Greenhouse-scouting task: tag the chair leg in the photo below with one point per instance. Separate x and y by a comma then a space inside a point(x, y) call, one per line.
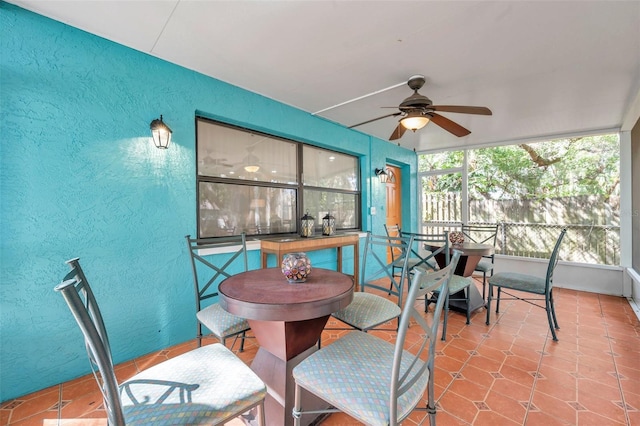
point(199, 334)
point(260, 415)
point(468, 300)
point(553, 331)
point(498, 300)
point(489, 304)
point(431, 405)
point(553, 310)
point(444, 320)
point(484, 283)
point(551, 316)
point(244, 335)
point(296, 413)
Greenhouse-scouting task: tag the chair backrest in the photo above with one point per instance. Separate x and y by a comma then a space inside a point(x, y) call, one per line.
point(393, 231)
point(553, 261)
point(423, 256)
point(481, 234)
point(77, 293)
point(206, 275)
point(376, 268)
point(409, 368)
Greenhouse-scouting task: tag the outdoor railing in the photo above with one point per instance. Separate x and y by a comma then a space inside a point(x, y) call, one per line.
point(594, 244)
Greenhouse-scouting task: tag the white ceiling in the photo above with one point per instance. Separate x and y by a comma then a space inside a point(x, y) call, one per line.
point(543, 67)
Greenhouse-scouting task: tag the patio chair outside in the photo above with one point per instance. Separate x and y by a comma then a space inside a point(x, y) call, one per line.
point(375, 381)
point(207, 385)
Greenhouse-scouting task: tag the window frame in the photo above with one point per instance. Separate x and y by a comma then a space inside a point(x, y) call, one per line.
point(298, 187)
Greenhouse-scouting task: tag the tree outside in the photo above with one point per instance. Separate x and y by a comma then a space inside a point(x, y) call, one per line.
point(574, 182)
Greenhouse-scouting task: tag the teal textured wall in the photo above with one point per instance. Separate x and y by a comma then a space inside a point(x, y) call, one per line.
point(80, 177)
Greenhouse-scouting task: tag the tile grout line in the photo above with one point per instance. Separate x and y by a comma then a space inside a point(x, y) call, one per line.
point(615, 364)
point(59, 404)
point(535, 378)
point(484, 338)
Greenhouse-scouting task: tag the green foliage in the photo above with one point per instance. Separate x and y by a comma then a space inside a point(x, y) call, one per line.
point(557, 168)
point(440, 161)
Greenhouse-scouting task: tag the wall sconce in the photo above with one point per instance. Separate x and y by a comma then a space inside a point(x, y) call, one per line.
point(382, 175)
point(415, 120)
point(328, 224)
point(161, 133)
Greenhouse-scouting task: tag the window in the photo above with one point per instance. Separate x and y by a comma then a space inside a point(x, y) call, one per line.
point(262, 185)
point(532, 190)
point(441, 182)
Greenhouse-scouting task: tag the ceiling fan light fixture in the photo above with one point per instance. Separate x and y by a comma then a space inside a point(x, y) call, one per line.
point(415, 120)
point(252, 162)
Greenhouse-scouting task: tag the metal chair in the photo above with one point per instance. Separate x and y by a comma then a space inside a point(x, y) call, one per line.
point(368, 310)
point(375, 381)
point(483, 234)
point(529, 284)
point(396, 255)
point(458, 285)
point(207, 276)
point(208, 385)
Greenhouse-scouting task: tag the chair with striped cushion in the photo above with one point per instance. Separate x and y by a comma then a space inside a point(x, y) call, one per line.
point(375, 381)
point(208, 385)
point(369, 309)
point(207, 276)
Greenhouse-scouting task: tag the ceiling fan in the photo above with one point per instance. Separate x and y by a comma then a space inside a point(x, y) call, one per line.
point(417, 110)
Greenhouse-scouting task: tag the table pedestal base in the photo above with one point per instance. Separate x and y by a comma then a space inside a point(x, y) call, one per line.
point(283, 345)
point(475, 299)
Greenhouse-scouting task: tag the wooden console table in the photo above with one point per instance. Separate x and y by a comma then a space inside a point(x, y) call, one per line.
point(281, 246)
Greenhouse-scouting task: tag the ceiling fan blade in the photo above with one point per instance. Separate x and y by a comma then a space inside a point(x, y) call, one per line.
point(462, 109)
point(398, 132)
point(395, 114)
point(449, 125)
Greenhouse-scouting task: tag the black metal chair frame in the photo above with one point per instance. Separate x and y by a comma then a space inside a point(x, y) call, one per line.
point(482, 234)
point(548, 291)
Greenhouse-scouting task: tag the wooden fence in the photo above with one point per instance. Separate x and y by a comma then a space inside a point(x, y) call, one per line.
point(529, 228)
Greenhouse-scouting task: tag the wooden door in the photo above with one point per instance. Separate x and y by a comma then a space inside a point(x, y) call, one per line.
point(394, 199)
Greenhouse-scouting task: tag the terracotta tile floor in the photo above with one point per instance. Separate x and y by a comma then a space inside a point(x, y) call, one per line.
point(508, 373)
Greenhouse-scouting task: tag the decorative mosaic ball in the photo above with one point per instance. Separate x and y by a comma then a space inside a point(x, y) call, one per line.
point(296, 267)
point(456, 237)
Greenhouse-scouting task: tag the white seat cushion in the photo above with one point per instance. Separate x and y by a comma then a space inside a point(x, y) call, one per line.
point(215, 385)
point(220, 322)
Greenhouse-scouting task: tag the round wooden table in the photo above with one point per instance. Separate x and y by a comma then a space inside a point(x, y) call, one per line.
point(287, 319)
point(470, 255)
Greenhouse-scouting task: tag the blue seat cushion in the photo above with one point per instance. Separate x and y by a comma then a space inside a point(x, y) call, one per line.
point(485, 265)
point(515, 281)
point(457, 283)
point(354, 375)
